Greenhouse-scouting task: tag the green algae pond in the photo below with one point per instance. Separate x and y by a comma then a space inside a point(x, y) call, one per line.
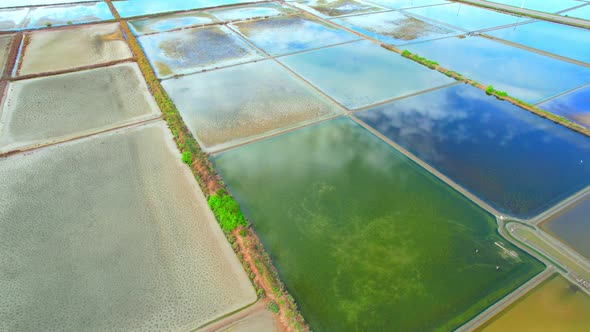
point(364, 238)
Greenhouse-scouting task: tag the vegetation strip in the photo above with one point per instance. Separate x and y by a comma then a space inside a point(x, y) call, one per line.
point(502, 95)
point(248, 247)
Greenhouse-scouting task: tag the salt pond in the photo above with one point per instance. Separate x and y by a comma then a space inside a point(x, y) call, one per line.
point(541, 5)
point(41, 17)
point(523, 74)
point(362, 236)
point(395, 27)
point(553, 306)
point(563, 40)
point(46, 109)
point(231, 105)
point(191, 50)
point(332, 8)
point(12, 19)
point(54, 50)
point(246, 12)
point(170, 22)
point(469, 18)
point(516, 161)
point(583, 12)
point(362, 73)
point(114, 235)
point(574, 106)
point(573, 227)
point(401, 4)
point(130, 8)
point(5, 42)
point(287, 34)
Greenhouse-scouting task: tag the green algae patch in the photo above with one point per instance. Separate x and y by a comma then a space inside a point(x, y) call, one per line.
point(364, 238)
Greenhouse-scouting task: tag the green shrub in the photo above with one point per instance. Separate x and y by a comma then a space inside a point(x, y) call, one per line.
point(227, 211)
point(272, 306)
point(187, 157)
point(490, 89)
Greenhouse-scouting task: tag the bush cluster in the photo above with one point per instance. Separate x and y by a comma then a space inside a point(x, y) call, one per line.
point(227, 211)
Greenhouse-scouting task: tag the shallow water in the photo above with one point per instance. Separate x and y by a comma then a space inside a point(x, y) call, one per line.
point(132, 8)
point(40, 17)
point(401, 4)
point(54, 50)
point(395, 27)
point(333, 8)
point(541, 5)
point(574, 106)
point(42, 110)
point(573, 227)
point(13, 19)
point(550, 307)
point(516, 161)
point(191, 50)
point(170, 22)
point(362, 73)
point(469, 18)
point(362, 236)
point(24, 3)
point(232, 105)
point(583, 12)
point(564, 40)
point(523, 74)
point(251, 11)
point(288, 34)
point(112, 234)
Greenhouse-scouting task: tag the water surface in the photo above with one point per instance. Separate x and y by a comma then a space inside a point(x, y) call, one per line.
point(469, 18)
point(583, 13)
point(573, 227)
point(362, 236)
point(333, 8)
point(401, 4)
point(131, 8)
point(41, 17)
point(362, 73)
point(541, 5)
point(395, 27)
point(251, 11)
point(13, 19)
point(553, 306)
point(563, 40)
point(170, 22)
point(523, 74)
point(191, 50)
point(574, 106)
point(516, 161)
point(236, 104)
point(287, 34)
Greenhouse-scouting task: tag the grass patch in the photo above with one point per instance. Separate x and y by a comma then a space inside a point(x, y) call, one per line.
point(273, 306)
point(187, 157)
point(428, 63)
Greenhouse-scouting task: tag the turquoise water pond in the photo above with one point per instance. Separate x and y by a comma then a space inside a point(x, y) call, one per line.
point(288, 34)
point(468, 18)
point(523, 74)
point(362, 73)
point(563, 40)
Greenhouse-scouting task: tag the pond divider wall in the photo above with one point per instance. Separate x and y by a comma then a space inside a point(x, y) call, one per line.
point(248, 247)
